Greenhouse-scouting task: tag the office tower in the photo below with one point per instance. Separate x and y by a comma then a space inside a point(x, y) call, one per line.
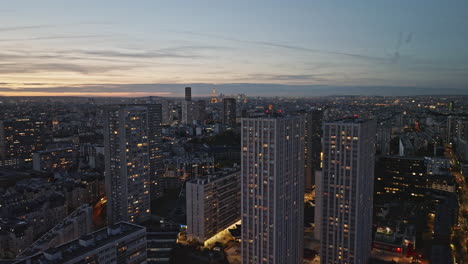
point(272, 188)
point(127, 163)
point(229, 112)
point(19, 138)
point(347, 191)
point(213, 204)
point(188, 94)
point(313, 145)
point(119, 243)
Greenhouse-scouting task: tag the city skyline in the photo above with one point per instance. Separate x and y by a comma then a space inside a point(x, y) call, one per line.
point(122, 49)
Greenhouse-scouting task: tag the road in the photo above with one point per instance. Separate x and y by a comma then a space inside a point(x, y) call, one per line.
point(461, 230)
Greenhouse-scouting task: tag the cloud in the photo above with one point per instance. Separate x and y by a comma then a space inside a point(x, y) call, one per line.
point(137, 54)
point(292, 47)
point(285, 77)
point(7, 68)
point(251, 89)
point(24, 27)
point(52, 38)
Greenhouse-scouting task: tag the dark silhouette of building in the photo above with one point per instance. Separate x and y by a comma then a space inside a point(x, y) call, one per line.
point(229, 112)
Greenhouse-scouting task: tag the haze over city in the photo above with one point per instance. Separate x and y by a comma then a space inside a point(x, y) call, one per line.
point(304, 48)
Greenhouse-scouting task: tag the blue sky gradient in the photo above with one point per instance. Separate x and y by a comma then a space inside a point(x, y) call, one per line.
point(69, 47)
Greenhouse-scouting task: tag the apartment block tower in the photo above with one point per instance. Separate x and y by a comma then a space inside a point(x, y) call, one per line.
point(154, 113)
point(229, 112)
point(313, 144)
point(272, 190)
point(127, 142)
point(346, 191)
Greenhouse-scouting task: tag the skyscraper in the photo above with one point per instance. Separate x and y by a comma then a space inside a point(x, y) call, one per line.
point(313, 144)
point(188, 108)
point(229, 112)
point(347, 191)
point(272, 188)
point(188, 94)
point(127, 142)
point(155, 151)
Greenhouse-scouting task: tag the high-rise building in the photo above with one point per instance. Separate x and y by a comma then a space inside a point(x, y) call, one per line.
point(200, 111)
point(313, 144)
point(19, 138)
point(119, 243)
point(272, 188)
point(188, 94)
point(156, 167)
point(127, 163)
point(213, 204)
point(347, 182)
point(229, 112)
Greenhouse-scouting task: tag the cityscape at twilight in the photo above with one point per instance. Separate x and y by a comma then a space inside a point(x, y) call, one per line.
point(234, 132)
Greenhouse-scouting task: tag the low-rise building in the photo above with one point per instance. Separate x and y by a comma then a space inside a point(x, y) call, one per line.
point(119, 243)
point(213, 204)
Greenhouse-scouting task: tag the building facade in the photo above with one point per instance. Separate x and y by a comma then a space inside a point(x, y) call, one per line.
point(229, 111)
point(347, 191)
point(59, 159)
point(19, 138)
point(213, 204)
point(127, 163)
point(272, 187)
point(119, 243)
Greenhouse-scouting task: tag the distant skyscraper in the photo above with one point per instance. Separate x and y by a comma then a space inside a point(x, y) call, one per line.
point(272, 187)
point(229, 111)
point(347, 191)
point(127, 162)
point(188, 94)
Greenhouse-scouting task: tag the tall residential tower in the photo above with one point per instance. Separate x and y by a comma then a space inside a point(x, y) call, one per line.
point(127, 142)
point(272, 188)
point(346, 191)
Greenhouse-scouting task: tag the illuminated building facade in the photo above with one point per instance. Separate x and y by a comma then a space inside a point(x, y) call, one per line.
point(347, 191)
point(272, 187)
point(400, 177)
point(156, 168)
point(60, 159)
point(19, 139)
point(127, 163)
point(213, 204)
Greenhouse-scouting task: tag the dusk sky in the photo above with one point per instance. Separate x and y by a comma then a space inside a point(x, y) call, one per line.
point(135, 48)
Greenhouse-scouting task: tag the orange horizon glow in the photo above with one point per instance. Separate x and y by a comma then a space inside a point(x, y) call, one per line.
point(97, 94)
